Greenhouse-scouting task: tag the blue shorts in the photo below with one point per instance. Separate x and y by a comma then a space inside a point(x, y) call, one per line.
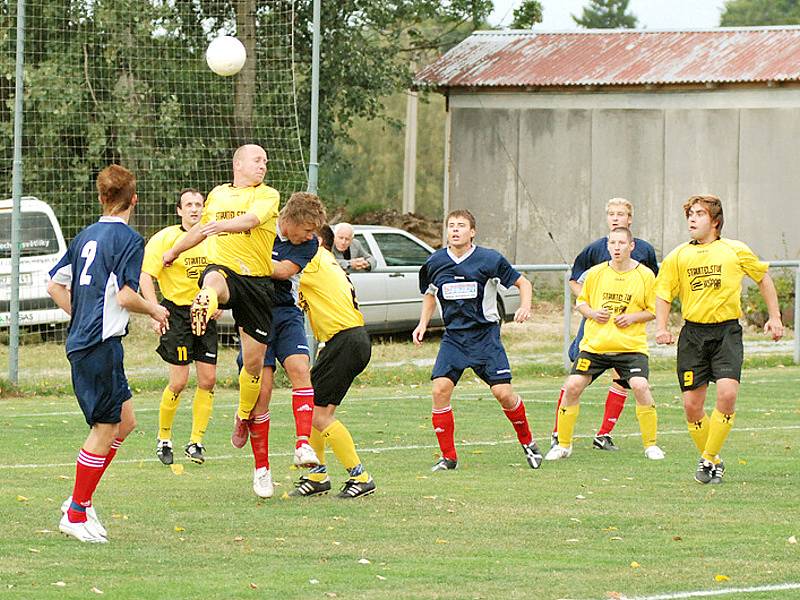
point(99, 381)
point(574, 347)
point(479, 348)
point(287, 337)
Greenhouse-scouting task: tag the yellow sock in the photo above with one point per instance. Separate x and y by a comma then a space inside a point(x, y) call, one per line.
point(317, 442)
point(567, 415)
point(249, 387)
point(166, 413)
point(718, 430)
point(201, 413)
point(341, 442)
point(648, 424)
point(699, 432)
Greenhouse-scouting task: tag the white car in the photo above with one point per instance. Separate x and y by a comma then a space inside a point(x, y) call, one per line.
point(42, 245)
point(389, 295)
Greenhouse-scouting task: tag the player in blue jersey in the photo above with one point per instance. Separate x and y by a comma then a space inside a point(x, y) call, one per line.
point(464, 278)
point(619, 213)
point(96, 282)
point(294, 247)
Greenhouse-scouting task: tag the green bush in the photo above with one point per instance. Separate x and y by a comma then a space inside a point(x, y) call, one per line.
point(755, 309)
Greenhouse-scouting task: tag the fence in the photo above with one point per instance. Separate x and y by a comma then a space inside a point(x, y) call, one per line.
point(566, 270)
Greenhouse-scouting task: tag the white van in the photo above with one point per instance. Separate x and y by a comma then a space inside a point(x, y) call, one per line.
point(42, 245)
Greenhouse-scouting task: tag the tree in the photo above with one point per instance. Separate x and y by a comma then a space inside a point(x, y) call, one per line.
point(606, 14)
point(742, 13)
point(527, 14)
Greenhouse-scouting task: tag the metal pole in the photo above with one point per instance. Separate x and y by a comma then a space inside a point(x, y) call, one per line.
point(410, 157)
point(16, 194)
point(567, 318)
point(313, 164)
point(797, 315)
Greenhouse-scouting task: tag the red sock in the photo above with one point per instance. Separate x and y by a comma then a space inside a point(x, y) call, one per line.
point(112, 452)
point(88, 471)
point(520, 422)
point(615, 402)
point(558, 405)
point(444, 425)
point(259, 439)
point(303, 408)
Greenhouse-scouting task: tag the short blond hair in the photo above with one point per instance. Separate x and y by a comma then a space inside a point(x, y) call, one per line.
point(620, 202)
point(304, 208)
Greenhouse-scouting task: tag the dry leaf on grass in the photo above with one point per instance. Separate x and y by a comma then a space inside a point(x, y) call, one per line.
point(635, 565)
point(95, 590)
point(176, 469)
point(721, 578)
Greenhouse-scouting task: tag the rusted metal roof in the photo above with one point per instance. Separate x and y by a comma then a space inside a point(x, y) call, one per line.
point(618, 57)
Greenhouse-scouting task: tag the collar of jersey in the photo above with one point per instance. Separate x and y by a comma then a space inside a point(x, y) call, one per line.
point(110, 219)
point(278, 233)
point(461, 259)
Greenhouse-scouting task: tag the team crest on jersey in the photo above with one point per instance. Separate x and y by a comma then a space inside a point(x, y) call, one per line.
point(705, 277)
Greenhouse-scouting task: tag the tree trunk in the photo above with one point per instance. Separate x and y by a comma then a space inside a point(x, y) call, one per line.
point(245, 83)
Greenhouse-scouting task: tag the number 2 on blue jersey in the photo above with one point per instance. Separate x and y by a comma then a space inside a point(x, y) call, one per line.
point(88, 252)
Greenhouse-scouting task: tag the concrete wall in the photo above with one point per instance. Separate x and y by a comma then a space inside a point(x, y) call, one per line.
point(529, 164)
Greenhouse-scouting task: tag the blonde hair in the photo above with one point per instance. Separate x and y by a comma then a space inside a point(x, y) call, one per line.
point(620, 202)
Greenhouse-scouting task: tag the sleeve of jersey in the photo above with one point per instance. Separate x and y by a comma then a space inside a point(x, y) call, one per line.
point(424, 282)
point(754, 268)
point(62, 272)
point(129, 265)
point(581, 265)
point(508, 274)
point(588, 285)
point(652, 262)
point(265, 206)
point(305, 252)
point(668, 282)
point(153, 251)
point(649, 282)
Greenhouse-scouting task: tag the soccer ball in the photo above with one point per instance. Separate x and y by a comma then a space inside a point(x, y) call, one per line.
point(226, 56)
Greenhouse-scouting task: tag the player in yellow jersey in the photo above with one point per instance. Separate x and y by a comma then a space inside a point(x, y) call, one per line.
point(617, 299)
point(239, 221)
point(706, 274)
point(328, 297)
point(178, 346)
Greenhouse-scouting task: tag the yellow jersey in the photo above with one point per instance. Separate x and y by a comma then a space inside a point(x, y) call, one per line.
point(629, 292)
point(178, 282)
point(248, 252)
point(708, 279)
point(328, 296)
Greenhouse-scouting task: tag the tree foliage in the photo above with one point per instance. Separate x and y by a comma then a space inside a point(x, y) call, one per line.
point(527, 14)
point(743, 13)
point(606, 14)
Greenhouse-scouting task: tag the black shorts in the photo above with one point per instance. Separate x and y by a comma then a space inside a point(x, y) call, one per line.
point(627, 365)
point(179, 346)
point(344, 356)
point(709, 351)
point(251, 301)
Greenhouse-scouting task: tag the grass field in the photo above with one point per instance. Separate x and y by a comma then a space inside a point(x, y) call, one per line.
point(593, 526)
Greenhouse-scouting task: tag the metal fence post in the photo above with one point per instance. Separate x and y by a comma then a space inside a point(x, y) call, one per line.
point(567, 319)
point(797, 315)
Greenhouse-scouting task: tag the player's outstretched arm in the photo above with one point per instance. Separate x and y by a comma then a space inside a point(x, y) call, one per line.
point(244, 222)
point(663, 335)
point(60, 295)
point(284, 269)
point(193, 237)
point(148, 289)
point(428, 306)
point(133, 302)
point(774, 325)
point(523, 313)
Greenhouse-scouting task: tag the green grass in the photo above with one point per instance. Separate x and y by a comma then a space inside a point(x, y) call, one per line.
point(492, 529)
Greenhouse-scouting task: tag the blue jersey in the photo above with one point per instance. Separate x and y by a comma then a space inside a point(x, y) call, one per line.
point(466, 287)
point(299, 254)
point(100, 261)
point(597, 252)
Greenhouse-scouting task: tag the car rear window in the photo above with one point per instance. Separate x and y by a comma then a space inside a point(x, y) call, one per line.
point(400, 251)
point(36, 234)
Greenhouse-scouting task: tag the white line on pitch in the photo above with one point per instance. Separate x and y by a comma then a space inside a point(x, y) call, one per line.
point(381, 449)
point(778, 587)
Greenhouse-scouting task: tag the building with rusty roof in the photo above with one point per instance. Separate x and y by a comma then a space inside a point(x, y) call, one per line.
point(544, 128)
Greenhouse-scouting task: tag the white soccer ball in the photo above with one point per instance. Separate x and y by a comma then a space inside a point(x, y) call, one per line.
point(226, 56)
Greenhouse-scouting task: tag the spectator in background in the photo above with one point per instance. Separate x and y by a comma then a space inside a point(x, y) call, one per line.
point(350, 253)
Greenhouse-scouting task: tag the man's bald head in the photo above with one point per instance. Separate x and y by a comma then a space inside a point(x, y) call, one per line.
point(249, 165)
point(342, 236)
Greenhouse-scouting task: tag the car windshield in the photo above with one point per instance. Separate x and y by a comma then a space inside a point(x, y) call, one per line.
point(36, 234)
point(400, 251)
